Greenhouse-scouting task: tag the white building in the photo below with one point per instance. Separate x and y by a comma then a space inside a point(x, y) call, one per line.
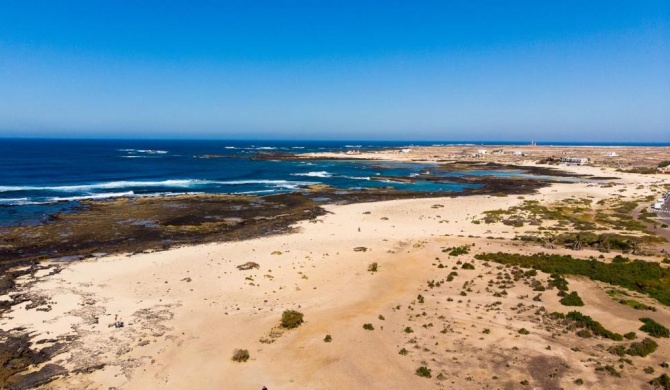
point(574, 160)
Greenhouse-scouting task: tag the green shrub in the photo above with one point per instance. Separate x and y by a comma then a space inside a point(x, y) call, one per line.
point(420, 298)
point(619, 350)
point(424, 372)
point(368, 327)
point(328, 338)
point(610, 369)
point(636, 305)
point(642, 276)
point(373, 267)
point(653, 328)
point(572, 299)
point(291, 319)
point(240, 355)
point(559, 282)
point(642, 348)
point(457, 250)
point(589, 323)
point(662, 382)
point(630, 336)
point(403, 352)
point(408, 330)
point(523, 331)
point(468, 266)
point(579, 381)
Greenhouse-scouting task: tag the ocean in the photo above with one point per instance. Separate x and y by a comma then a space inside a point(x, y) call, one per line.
point(46, 176)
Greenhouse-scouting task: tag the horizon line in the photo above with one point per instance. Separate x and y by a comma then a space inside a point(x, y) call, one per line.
point(464, 142)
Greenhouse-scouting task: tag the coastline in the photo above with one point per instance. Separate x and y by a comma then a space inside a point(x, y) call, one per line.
point(186, 309)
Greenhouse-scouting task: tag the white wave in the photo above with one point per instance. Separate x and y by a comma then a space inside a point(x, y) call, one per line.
point(276, 183)
point(109, 185)
point(152, 151)
point(93, 196)
point(265, 148)
point(135, 156)
point(7, 200)
point(230, 147)
point(16, 202)
point(353, 146)
point(185, 183)
point(298, 147)
point(314, 174)
point(357, 177)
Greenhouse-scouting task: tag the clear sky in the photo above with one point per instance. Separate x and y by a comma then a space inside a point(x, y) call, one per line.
point(560, 70)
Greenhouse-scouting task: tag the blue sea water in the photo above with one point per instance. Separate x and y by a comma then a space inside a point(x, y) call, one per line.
point(44, 176)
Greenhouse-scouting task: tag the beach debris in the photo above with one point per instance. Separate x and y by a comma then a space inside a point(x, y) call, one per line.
point(117, 322)
point(248, 265)
point(360, 249)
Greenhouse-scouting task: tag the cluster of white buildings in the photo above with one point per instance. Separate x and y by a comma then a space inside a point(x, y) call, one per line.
point(574, 160)
point(497, 152)
point(660, 202)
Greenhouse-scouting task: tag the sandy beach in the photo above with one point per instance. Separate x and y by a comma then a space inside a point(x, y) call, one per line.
point(186, 310)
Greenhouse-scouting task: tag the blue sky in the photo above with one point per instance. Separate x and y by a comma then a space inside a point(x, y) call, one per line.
point(444, 70)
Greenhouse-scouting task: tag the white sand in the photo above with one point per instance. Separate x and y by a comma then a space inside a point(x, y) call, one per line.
point(181, 334)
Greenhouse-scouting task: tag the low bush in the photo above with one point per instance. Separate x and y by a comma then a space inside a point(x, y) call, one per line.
point(582, 321)
point(643, 276)
point(424, 372)
point(240, 355)
point(572, 299)
point(291, 319)
point(662, 382)
point(642, 348)
point(653, 328)
point(457, 250)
